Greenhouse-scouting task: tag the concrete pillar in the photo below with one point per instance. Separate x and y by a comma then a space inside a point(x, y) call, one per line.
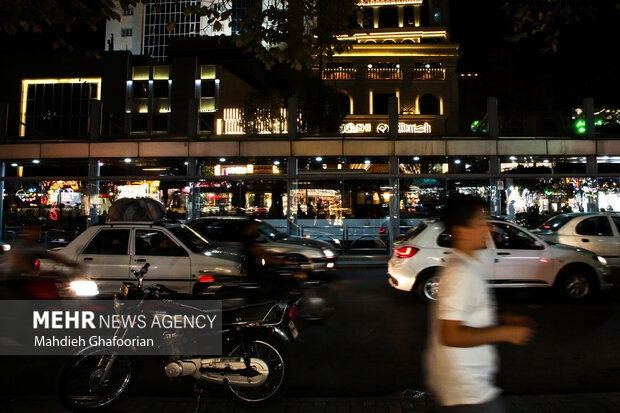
point(192, 119)
point(291, 196)
point(393, 117)
point(4, 120)
point(193, 210)
point(93, 192)
point(95, 119)
point(291, 117)
point(394, 205)
point(2, 175)
point(492, 118)
point(588, 114)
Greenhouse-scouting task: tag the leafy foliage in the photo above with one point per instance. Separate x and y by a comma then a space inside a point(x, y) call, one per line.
point(547, 21)
point(292, 32)
point(262, 112)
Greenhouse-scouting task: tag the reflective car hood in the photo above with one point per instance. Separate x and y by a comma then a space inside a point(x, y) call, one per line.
point(306, 242)
point(222, 254)
point(563, 249)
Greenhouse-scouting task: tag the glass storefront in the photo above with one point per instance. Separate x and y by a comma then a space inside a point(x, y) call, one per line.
point(345, 210)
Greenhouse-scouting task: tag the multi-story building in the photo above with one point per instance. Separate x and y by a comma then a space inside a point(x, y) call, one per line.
point(82, 132)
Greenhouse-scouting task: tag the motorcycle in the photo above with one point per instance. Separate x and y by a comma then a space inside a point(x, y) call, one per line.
point(254, 368)
point(275, 281)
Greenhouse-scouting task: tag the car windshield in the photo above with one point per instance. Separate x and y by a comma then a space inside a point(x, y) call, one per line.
point(266, 230)
point(555, 223)
point(192, 240)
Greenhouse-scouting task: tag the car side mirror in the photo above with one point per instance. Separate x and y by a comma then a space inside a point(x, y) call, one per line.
point(539, 245)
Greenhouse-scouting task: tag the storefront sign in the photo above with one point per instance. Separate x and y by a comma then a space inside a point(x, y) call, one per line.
point(382, 128)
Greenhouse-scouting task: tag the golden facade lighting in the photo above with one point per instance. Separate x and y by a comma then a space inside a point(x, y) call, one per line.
point(28, 82)
point(388, 2)
point(395, 36)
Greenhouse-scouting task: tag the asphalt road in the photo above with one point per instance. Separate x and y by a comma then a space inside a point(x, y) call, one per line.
point(372, 346)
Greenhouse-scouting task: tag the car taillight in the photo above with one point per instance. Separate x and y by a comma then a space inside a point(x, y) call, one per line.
point(293, 312)
point(382, 230)
point(206, 279)
point(547, 226)
point(37, 265)
point(405, 252)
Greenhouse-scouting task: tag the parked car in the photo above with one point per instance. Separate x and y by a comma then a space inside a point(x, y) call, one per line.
point(514, 258)
point(597, 232)
point(109, 252)
point(227, 232)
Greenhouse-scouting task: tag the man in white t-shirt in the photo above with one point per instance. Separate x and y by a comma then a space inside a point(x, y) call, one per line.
point(461, 359)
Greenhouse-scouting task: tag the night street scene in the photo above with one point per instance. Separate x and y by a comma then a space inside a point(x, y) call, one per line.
point(309, 206)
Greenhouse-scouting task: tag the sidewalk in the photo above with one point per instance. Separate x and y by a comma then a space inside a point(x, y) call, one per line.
point(563, 403)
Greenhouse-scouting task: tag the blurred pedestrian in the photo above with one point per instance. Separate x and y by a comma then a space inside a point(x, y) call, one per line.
point(460, 359)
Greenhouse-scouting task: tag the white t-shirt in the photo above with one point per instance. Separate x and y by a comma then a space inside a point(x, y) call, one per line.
point(457, 375)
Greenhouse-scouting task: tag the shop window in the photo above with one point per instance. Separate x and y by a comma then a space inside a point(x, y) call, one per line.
point(57, 107)
point(429, 105)
point(139, 123)
point(508, 237)
point(595, 226)
point(160, 123)
point(206, 122)
point(160, 88)
point(368, 17)
point(207, 88)
point(109, 242)
point(140, 89)
point(345, 103)
point(388, 17)
point(380, 103)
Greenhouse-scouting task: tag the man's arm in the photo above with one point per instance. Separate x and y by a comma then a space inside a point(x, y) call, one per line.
point(454, 334)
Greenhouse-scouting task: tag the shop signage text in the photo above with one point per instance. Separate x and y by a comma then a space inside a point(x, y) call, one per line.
point(404, 128)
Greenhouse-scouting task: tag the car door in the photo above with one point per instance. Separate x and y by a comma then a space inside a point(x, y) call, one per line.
point(106, 258)
point(595, 234)
point(520, 259)
point(170, 266)
point(615, 262)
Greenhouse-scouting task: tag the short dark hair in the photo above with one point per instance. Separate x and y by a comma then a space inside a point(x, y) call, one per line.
point(460, 209)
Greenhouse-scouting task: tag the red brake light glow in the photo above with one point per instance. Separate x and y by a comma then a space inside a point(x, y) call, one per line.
point(406, 252)
point(382, 230)
point(37, 265)
point(293, 313)
point(206, 279)
point(547, 226)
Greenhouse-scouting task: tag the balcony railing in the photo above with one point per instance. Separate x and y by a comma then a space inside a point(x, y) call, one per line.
point(433, 73)
point(339, 73)
point(380, 73)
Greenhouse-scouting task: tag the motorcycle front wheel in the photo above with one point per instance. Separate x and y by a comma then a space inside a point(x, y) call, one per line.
point(273, 355)
point(80, 386)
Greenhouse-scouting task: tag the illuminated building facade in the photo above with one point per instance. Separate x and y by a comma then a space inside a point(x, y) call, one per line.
point(78, 133)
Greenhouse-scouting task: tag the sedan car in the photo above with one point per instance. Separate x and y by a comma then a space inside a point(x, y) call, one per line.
point(597, 232)
point(107, 253)
point(514, 258)
point(227, 232)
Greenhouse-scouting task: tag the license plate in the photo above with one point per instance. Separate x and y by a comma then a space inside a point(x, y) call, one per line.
point(293, 329)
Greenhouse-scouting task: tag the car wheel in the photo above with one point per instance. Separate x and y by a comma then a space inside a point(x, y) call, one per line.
point(428, 287)
point(577, 286)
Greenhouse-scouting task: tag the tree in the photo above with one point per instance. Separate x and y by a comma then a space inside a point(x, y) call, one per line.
point(547, 22)
point(262, 112)
point(292, 32)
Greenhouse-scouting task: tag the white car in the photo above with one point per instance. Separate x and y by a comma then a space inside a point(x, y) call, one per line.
point(513, 257)
point(597, 232)
point(107, 253)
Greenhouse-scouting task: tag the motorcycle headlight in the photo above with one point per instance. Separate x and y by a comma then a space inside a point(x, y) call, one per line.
point(84, 288)
point(601, 260)
point(329, 253)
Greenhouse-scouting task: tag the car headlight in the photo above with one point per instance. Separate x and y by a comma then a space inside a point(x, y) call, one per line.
point(84, 288)
point(601, 260)
point(6, 247)
point(329, 253)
